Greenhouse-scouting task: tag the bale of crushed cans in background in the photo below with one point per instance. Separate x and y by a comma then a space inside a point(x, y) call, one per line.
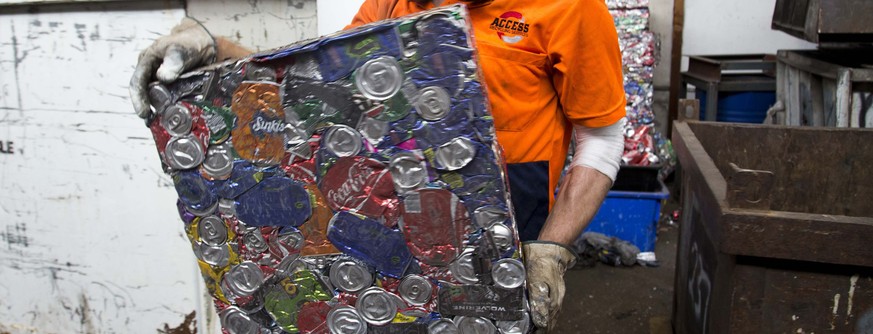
point(644, 146)
point(347, 184)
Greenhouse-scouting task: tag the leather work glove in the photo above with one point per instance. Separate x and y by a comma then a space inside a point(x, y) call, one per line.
point(546, 263)
point(187, 46)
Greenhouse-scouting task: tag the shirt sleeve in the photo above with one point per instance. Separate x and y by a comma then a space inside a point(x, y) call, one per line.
point(368, 13)
point(586, 64)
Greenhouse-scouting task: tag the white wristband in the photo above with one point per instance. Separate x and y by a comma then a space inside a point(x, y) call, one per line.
point(599, 148)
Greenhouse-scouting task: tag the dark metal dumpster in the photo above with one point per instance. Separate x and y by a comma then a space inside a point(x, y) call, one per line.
point(776, 232)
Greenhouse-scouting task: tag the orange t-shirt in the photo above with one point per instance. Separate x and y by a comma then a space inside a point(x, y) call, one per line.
point(545, 64)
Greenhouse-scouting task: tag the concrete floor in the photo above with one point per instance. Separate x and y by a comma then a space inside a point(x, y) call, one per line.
point(623, 300)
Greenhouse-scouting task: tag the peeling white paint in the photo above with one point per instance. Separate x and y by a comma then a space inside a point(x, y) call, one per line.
point(258, 24)
point(836, 309)
point(853, 281)
point(90, 241)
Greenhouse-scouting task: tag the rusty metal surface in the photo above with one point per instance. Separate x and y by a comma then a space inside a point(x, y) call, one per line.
point(820, 21)
point(819, 170)
point(800, 297)
point(801, 259)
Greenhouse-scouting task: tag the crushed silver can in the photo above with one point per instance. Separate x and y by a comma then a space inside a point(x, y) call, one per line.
point(235, 321)
point(373, 130)
point(350, 276)
point(407, 171)
point(443, 326)
point(242, 280)
point(218, 256)
point(502, 236)
point(345, 320)
point(255, 242)
point(212, 231)
point(489, 215)
point(160, 97)
point(455, 154)
point(433, 103)
point(379, 79)
point(462, 268)
point(376, 306)
point(177, 120)
point(184, 152)
point(415, 290)
point(514, 326)
point(475, 325)
point(508, 273)
point(342, 141)
point(218, 162)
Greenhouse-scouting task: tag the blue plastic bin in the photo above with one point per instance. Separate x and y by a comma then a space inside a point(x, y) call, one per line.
point(739, 107)
point(631, 216)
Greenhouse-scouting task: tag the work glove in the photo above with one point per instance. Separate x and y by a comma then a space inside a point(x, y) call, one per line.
point(546, 263)
point(187, 46)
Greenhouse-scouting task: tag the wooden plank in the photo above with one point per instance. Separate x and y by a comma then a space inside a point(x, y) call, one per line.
point(817, 100)
point(798, 236)
point(804, 92)
point(801, 297)
point(829, 100)
point(844, 97)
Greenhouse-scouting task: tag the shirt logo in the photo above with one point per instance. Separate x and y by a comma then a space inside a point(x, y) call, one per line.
point(510, 27)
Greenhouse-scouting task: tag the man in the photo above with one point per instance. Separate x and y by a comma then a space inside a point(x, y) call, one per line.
point(553, 73)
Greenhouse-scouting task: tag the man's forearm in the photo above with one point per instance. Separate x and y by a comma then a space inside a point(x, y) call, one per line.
point(580, 196)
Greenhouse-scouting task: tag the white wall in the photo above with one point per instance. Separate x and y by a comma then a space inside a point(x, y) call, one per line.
point(733, 27)
point(90, 241)
point(333, 15)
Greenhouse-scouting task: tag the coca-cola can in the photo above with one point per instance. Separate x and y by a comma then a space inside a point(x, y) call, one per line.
point(433, 103)
point(345, 320)
point(508, 273)
point(177, 120)
point(443, 326)
point(475, 325)
point(212, 231)
point(379, 79)
point(415, 290)
point(342, 141)
point(349, 275)
point(455, 154)
point(376, 306)
point(184, 152)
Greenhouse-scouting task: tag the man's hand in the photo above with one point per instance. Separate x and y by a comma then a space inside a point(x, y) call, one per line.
point(546, 263)
point(189, 45)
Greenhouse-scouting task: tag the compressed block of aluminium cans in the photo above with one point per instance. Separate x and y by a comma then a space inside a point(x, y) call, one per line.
point(347, 184)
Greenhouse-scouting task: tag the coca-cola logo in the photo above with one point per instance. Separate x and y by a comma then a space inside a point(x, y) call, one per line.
point(357, 178)
point(263, 125)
